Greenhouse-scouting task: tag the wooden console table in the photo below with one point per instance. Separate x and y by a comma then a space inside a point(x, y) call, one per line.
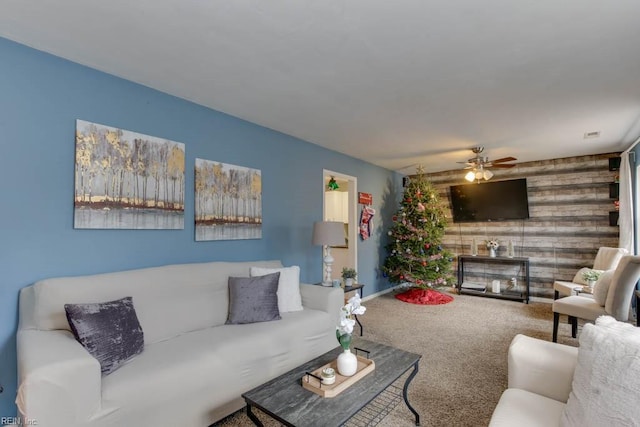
point(522, 296)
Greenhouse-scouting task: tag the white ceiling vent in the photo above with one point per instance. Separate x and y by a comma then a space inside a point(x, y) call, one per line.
point(594, 134)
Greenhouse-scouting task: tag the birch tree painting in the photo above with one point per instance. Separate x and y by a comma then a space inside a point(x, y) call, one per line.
point(127, 180)
point(228, 201)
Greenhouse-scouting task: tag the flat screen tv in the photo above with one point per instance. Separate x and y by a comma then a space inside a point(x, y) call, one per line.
point(490, 201)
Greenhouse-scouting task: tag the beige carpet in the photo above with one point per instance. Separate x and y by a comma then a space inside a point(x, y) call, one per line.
point(464, 346)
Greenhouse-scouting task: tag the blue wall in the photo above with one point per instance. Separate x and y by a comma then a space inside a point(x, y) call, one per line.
point(41, 96)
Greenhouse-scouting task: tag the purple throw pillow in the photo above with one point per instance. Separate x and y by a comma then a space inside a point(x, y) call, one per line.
point(109, 331)
point(253, 299)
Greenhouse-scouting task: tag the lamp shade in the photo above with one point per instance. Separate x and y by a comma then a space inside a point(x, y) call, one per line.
point(330, 233)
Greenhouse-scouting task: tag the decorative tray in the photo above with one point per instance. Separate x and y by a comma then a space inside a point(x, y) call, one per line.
point(312, 380)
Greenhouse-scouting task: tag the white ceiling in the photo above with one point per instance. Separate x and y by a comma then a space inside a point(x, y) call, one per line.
point(392, 82)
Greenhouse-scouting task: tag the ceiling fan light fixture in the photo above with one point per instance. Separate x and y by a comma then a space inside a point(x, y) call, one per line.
point(470, 176)
point(479, 165)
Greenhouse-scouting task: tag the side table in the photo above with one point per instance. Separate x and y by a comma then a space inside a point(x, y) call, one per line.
point(347, 294)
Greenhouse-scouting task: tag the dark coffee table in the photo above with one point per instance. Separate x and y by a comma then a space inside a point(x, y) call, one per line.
point(284, 398)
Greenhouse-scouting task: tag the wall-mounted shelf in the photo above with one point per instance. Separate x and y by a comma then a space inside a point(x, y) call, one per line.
point(613, 218)
point(614, 190)
point(614, 163)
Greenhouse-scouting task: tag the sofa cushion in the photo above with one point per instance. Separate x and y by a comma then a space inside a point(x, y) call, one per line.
point(216, 364)
point(170, 300)
point(289, 298)
point(109, 331)
point(522, 408)
point(601, 287)
point(605, 386)
point(253, 299)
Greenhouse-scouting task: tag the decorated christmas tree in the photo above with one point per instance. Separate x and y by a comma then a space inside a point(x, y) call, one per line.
point(415, 253)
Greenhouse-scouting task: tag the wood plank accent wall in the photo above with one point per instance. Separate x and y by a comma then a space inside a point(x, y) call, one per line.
point(569, 208)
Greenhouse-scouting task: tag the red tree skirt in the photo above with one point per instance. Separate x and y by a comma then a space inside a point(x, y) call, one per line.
point(424, 296)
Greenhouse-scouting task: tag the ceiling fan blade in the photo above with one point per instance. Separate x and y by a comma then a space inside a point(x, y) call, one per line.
point(500, 166)
point(503, 159)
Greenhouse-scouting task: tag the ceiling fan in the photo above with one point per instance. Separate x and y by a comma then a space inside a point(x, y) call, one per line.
point(480, 165)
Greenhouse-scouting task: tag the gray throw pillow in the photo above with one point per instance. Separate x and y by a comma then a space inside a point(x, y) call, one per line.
point(253, 299)
point(109, 331)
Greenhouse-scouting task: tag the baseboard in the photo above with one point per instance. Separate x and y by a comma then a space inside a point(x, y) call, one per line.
point(393, 288)
point(541, 299)
point(386, 291)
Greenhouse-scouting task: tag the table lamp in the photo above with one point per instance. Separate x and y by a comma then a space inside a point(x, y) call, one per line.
point(327, 234)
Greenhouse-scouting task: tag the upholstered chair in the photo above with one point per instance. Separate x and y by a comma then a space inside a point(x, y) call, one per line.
point(606, 259)
point(616, 304)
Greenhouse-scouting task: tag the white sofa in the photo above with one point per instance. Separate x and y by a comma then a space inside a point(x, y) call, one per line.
point(594, 385)
point(193, 369)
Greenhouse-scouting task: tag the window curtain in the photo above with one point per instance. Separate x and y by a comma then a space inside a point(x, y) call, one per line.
point(625, 220)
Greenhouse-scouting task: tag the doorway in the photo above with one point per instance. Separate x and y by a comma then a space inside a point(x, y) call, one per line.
point(340, 203)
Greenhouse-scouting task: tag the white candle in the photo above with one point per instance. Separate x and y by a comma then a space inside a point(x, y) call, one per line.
point(495, 286)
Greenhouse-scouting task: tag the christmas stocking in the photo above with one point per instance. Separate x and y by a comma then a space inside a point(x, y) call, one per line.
point(366, 222)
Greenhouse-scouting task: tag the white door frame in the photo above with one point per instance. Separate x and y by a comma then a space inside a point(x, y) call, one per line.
point(353, 211)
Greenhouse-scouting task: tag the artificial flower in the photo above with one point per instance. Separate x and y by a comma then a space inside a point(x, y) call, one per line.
point(347, 322)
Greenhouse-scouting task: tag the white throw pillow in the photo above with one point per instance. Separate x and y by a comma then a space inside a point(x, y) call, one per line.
point(578, 277)
point(289, 298)
point(605, 389)
point(601, 287)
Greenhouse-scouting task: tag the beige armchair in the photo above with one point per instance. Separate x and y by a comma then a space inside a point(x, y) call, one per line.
point(606, 259)
point(595, 384)
point(616, 304)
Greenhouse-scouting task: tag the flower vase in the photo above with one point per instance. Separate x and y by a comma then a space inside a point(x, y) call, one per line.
point(492, 252)
point(348, 282)
point(347, 363)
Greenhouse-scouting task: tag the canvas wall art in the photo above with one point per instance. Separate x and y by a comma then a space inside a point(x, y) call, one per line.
point(228, 201)
point(127, 180)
